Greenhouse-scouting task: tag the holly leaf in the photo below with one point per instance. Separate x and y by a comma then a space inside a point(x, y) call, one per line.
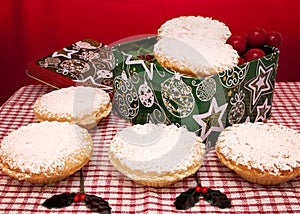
point(59, 201)
point(187, 199)
point(217, 198)
point(97, 204)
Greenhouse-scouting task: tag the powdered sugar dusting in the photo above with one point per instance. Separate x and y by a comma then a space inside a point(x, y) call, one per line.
point(73, 101)
point(267, 147)
point(43, 147)
point(155, 148)
point(197, 44)
point(195, 26)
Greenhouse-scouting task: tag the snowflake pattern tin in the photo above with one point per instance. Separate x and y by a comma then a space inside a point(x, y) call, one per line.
point(145, 91)
point(86, 62)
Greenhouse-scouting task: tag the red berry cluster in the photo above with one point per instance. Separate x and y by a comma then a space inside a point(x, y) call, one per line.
point(201, 189)
point(79, 197)
point(146, 57)
point(249, 47)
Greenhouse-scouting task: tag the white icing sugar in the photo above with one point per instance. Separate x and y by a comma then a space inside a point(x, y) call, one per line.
point(266, 147)
point(196, 43)
point(73, 101)
point(198, 56)
point(43, 147)
point(158, 148)
point(195, 27)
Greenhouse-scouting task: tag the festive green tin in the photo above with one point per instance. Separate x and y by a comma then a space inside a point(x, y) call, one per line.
point(146, 92)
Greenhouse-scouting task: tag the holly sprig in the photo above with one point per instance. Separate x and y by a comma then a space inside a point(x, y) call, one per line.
point(97, 204)
point(93, 202)
point(190, 197)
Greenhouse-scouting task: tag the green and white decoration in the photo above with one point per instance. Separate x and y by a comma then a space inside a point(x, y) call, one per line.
point(145, 91)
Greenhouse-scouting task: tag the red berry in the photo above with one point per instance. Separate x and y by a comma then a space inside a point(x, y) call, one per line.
point(274, 39)
point(241, 61)
point(76, 198)
point(82, 197)
point(256, 37)
point(149, 57)
point(254, 53)
point(238, 43)
point(204, 190)
point(198, 189)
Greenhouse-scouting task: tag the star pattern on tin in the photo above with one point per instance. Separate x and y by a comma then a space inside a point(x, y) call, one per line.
point(89, 81)
point(128, 61)
point(262, 111)
point(261, 84)
point(177, 76)
point(248, 120)
point(64, 53)
point(211, 120)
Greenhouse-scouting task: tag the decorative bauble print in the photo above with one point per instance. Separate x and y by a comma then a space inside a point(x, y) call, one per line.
point(236, 113)
point(125, 100)
point(51, 61)
point(206, 89)
point(237, 110)
point(146, 95)
point(87, 44)
point(74, 66)
point(177, 97)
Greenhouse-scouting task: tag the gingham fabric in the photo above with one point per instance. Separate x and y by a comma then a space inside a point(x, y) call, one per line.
point(123, 195)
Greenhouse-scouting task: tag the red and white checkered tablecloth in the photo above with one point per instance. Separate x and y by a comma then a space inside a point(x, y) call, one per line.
point(125, 196)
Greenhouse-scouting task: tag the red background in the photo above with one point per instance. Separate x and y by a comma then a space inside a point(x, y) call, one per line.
point(31, 29)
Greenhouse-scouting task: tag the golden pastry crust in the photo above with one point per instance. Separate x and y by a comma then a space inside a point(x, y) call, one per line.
point(256, 176)
point(85, 106)
point(35, 154)
point(173, 65)
point(135, 161)
point(275, 161)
